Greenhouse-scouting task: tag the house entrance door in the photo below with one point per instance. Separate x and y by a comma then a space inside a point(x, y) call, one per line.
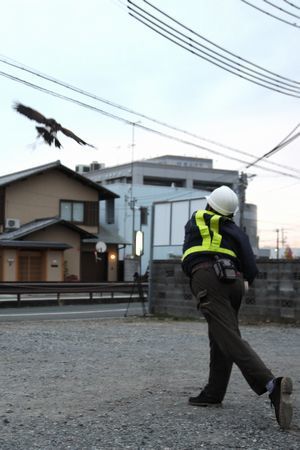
point(92, 270)
point(31, 266)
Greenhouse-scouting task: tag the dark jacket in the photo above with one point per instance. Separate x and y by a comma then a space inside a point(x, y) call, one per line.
point(233, 238)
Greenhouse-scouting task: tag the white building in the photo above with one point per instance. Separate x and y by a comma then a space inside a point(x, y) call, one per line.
point(128, 220)
point(176, 186)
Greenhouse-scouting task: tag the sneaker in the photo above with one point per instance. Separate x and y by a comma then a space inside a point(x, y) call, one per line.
point(281, 400)
point(204, 400)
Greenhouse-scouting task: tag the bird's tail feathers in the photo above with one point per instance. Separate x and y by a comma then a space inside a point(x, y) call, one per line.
point(57, 143)
point(45, 135)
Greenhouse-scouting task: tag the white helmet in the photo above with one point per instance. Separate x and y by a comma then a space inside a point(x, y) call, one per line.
point(223, 200)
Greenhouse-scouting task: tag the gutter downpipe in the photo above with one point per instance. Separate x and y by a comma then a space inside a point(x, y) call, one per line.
point(150, 287)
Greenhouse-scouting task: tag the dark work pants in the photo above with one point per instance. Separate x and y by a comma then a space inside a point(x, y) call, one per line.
point(220, 302)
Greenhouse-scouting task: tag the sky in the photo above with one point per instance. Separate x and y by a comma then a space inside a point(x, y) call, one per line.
point(98, 47)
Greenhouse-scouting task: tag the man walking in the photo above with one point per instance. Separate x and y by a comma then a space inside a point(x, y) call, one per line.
point(218, 258)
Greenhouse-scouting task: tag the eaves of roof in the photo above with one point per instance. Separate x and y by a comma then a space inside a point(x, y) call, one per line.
point(40, 224)
point(34, 244)
point(6, 180)
point(109, 237)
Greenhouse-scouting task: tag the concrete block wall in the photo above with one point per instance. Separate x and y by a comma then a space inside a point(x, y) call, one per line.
point(274, 296)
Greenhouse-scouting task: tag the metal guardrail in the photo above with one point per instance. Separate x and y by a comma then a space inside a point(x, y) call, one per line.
point(49, 289)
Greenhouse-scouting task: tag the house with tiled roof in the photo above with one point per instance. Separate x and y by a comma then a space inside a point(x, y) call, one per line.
point(49, 225)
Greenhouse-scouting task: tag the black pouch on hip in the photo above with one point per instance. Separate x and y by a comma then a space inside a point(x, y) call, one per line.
point(225, 270)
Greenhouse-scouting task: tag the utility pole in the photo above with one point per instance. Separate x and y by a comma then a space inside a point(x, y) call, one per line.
point(132, 207)
point(283, 238)
point(132, 199)
point(243, 183)
point(277, 243)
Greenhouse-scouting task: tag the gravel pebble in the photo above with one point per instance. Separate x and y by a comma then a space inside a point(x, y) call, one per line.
point(124, 384)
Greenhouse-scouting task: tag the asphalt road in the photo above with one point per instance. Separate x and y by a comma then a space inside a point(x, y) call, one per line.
point(102, 311)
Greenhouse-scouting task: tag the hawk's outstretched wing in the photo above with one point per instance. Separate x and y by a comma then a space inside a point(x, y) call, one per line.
point(53, 127)
point(30, 113)
point(70, 134)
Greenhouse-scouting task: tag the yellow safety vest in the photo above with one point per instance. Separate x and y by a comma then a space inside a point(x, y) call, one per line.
point(210, 242)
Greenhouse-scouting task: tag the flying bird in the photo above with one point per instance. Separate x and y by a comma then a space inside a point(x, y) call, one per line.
point(49, 131)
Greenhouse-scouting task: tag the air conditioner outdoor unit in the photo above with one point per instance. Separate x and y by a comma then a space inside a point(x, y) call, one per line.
point(12, 224)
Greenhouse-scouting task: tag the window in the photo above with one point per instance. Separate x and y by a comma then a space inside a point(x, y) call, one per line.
point(144, 215)
point(72, 211)
point(110, 210)
point(77, 212)
point(207, 185)
point(91, 214)
point(86, 212)
point(156, 181)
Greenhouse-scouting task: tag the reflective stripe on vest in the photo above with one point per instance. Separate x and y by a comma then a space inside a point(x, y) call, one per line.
point(209, 243)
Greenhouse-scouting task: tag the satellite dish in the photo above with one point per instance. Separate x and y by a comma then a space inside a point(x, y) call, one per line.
point(101, 247)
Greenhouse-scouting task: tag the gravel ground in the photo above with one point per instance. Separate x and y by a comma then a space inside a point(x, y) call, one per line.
point(124, 384)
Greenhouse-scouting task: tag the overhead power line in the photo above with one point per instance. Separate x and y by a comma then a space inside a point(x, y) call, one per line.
point(269, 86)
point(281, 9)
point(238, 57)
point(278, 147)
point(139, 125)
point(296, 25)
point(290, 134)
point(233, 67)
point(216, 45)
point(239, 66)
point(291, 4)
point(38, 74)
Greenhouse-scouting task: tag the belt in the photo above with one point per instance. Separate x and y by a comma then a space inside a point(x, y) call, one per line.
point(207, 265)
point(202, 265)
